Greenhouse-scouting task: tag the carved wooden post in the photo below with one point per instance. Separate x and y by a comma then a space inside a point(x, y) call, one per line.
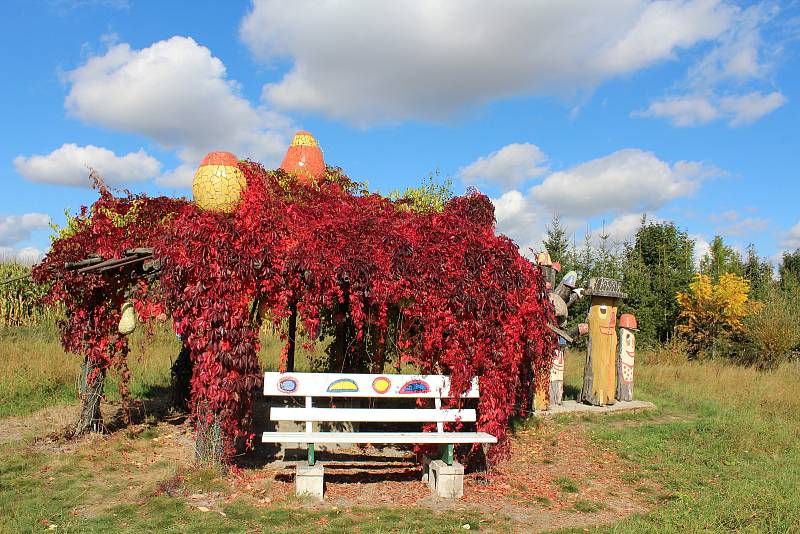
point(600, 372)
point(557, 374)
point(625, 357)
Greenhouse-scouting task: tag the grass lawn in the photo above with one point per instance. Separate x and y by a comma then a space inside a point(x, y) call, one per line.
point(720, 454)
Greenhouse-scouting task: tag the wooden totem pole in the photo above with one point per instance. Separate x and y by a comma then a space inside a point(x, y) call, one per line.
point(625, 357)
point(600, 372)
point(562, 298)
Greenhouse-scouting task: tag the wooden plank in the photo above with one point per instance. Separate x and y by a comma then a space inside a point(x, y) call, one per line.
point(140, 251)
point(360, 385)
point(377, 437)
point(309, 426)
point(437, 402)
point(91, 260)
point(379, 415)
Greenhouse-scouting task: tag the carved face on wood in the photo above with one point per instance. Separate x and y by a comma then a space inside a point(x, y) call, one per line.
point(603, 346)
point(603, 316)
point(557, 369)
point(626, 354)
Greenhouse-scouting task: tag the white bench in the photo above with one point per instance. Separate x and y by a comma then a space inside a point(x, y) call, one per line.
point(446, 478)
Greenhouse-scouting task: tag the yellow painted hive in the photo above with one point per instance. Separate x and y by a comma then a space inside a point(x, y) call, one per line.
point(218, 183)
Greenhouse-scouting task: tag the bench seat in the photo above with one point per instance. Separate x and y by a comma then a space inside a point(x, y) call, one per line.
point(378, 437)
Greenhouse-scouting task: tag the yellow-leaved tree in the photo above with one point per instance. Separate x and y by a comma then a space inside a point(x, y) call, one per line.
point(712, 313)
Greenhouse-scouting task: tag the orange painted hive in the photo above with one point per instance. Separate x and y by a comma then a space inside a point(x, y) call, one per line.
point(218, 182)
point(304, 158)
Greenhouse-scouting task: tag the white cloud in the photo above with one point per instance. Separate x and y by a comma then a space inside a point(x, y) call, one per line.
point(427, 60)
point(524, 221)
point(695, 110)
point(509, 166)
point(682, 110)
point(741, 54)
point(69, 165)
point(713, 86)
point(701, 248)
point(176, 93)
point(627, 181)
point(625, 184)
point(746, 109)
point(17, 228)
point(623, 228)
point(792, 238)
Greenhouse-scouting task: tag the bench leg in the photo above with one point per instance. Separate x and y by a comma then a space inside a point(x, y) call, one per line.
point(310, 481)
point(446, 481)
point(447, 454)
point(426, 470)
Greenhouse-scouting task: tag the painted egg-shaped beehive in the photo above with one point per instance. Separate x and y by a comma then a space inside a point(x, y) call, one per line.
point(304, 158)
point(218, 182)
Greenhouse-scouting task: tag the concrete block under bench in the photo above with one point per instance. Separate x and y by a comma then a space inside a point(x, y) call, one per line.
point(310, 481)
point(446, 481)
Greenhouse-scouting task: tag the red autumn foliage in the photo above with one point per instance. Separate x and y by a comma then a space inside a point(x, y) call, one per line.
point(437, 290)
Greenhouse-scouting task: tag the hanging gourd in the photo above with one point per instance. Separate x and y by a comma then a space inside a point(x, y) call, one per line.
point(304, 159)
point(127, 321)
point(218, 183)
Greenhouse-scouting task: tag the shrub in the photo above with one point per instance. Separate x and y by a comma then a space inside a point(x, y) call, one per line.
point(772, 331)
point(712, 314)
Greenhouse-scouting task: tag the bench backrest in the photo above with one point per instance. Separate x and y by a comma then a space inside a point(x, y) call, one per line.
point(361, 385)
point(311, 385)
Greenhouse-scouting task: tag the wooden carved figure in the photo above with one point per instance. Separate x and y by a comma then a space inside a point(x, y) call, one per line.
point(625, 357)
point(600, 372)
point(557, 374)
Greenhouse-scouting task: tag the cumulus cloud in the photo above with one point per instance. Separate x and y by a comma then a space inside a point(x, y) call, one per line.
point(17, 228)
point(629, 180)
point(517, 217)
point(176, 93)
point(429, 60)
point(69, 165)
point(509, 166)
point(624, 185)
point(792, 238)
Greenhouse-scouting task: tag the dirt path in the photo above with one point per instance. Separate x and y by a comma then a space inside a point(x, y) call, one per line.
point(36, 424)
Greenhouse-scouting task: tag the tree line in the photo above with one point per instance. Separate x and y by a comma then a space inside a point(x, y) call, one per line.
point(728, 305)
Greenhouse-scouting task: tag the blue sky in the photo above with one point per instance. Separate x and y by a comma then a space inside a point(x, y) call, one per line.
point(599, 111)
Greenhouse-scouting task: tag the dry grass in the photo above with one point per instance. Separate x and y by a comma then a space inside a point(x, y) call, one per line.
point(36, 372)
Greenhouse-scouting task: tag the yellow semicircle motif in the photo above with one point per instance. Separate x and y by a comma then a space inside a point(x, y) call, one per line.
point(343, 384)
